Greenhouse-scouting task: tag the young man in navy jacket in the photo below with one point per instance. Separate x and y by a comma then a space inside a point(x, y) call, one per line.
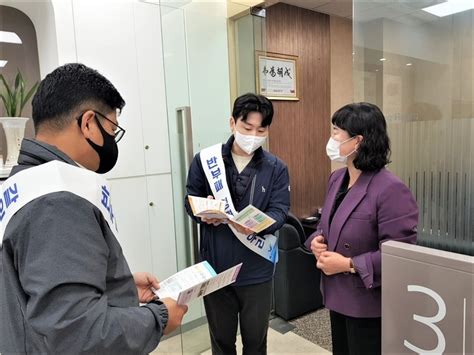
point(255, 177)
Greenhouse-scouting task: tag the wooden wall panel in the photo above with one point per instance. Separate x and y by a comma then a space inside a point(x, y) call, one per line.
point(300, 130)
point(341, 67)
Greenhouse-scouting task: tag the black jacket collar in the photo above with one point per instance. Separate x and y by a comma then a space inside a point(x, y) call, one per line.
point(34, 152)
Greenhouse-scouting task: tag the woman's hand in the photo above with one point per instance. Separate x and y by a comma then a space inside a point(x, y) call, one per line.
point(332, 263)
point(318, 246)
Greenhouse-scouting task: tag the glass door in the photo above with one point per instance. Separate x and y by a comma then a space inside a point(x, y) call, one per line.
point(198, 54)
point(194, 37)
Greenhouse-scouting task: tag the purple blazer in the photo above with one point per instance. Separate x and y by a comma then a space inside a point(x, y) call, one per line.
point(378, 207)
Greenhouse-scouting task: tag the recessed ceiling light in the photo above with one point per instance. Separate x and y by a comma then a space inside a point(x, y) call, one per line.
point(9, 37)
point(409, 64)
point(450, 7)
point(383, 59)
point(3, 63)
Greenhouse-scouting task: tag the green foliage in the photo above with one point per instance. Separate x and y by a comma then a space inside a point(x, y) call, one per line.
point(15, 97)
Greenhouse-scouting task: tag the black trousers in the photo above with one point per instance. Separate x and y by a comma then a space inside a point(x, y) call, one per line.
point(249, 305)
point(355, 336)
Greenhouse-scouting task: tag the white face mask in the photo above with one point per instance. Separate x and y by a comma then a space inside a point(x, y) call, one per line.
point(249, 144)
point(333, 150)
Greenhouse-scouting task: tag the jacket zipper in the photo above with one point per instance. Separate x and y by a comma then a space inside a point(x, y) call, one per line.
point(252, 191)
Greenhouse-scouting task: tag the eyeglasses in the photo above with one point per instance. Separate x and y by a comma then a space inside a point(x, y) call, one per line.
point(118, 131)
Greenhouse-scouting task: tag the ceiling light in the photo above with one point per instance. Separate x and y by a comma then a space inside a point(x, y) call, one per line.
point(3, 63)
point(450, 7)
point(409, 64)
point(9, 37)
point(383, 59)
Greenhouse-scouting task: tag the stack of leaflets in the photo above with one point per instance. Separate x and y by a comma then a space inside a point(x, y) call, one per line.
point(250, 217)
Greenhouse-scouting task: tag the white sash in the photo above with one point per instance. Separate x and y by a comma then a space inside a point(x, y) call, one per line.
point(54, 176)
point(213, 165)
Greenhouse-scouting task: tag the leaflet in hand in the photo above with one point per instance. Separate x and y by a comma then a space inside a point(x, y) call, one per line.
point(250, 217)
point(207, 208)
point(196, 281)
point(254, 219)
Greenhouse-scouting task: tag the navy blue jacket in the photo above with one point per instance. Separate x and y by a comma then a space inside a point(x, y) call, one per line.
point(271, 194)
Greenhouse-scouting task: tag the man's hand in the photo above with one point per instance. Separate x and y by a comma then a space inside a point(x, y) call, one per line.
point(318, 246)
point(144, 281)
point(213, 221)
point(176, 313)
point(240, 228)
point(332, 263)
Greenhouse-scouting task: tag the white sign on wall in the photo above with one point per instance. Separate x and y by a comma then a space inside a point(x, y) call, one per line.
point(277, 76)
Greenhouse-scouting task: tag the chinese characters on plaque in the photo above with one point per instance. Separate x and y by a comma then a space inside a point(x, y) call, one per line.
point(277, 76)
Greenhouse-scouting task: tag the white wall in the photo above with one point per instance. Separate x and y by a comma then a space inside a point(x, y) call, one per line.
point(122, 39)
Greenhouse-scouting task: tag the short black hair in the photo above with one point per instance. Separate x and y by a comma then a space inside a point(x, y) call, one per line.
point(248, 103)
point(367, 120)
point(62, 93)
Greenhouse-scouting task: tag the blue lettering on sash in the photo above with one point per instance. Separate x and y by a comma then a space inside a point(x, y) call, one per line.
point(107, 203)
point(255, 239)
point(10, 195)
point(2, 209)
point(260, 243)
point(212, 163)
point(227, 207)
point(218, 185)
point(216, 173)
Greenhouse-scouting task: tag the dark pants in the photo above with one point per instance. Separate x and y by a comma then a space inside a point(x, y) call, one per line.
point(355, 336)
point(251, 306)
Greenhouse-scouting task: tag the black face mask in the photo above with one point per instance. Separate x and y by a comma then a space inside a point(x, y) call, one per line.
point(108, 153)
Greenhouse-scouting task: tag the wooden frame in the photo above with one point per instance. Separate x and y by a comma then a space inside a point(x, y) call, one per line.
point(282, 84)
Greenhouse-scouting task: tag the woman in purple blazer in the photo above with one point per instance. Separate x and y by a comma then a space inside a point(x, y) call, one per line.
point(365, 206)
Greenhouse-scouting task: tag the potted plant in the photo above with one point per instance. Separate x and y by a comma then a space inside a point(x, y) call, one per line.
point(14, 100)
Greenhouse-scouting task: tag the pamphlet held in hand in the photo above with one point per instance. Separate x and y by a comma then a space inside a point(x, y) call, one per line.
point(250, 217)
point(196, 281)
point(207, 207)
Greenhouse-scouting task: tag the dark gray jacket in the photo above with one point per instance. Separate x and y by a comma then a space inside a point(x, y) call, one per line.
point(65, 286)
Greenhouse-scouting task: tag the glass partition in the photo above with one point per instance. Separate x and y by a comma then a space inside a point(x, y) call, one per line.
point(418, 67)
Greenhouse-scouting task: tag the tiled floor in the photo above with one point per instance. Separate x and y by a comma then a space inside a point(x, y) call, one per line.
point(196, 341)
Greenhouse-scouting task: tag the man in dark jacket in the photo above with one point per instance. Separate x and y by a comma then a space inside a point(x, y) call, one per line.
point(255, 177)
point(65, 286)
